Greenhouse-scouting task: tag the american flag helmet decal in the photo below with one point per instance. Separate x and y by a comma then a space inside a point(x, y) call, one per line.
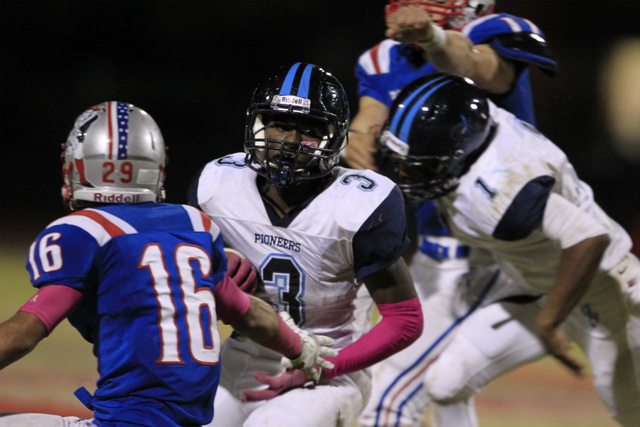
point(118, 117)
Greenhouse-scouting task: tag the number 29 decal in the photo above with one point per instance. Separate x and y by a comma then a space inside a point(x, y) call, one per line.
point(125, 172)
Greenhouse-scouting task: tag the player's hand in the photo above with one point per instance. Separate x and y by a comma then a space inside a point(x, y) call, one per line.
point(558, 345)
point(289, 379)
point(314, 348)
point(361, 150)
point(241, 270)
point(409, 24)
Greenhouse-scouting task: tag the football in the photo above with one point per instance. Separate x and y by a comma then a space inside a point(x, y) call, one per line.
point(228, 251)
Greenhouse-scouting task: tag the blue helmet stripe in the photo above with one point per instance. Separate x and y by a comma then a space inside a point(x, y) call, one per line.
point(411, 114)
point(400, 113)
point(288, 81)
point(303, 90)
point(122, 131)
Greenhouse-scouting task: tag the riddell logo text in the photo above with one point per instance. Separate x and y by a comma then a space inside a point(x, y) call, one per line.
point(291, 100)
point(115, 198)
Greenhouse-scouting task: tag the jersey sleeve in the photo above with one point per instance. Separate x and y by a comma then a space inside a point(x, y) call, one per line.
point(192, 190)
point(219, 260)
point(367, 84)
point(526, 211)
point(198, 195)
point(382, 238)
point(62, 254)
point(567, 224)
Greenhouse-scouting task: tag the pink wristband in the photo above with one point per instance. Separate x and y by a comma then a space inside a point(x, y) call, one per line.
point(231, 302)
point(286, 342)
point(52, 304)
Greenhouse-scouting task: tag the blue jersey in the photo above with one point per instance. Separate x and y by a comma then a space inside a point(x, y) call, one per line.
point(385, 69)
point(147, 274)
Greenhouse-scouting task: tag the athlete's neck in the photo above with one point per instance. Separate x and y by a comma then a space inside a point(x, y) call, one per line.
point(285, 199)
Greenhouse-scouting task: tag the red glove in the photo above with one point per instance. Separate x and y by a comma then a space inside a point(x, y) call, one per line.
point(241, 271)
point(289, 379)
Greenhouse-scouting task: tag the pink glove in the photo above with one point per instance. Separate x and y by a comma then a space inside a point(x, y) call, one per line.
point(289, 379)
point(242, 272)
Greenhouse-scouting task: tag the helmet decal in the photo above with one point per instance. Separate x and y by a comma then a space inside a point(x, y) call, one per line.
point(411, 106)
point(82, 130)
point(119, 129)
point(303, 84)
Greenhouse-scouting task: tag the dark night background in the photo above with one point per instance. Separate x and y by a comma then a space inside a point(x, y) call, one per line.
point(193, 65)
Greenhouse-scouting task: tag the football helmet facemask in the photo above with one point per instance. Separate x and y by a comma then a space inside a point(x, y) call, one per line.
point(438, 126)
point(309, 98)
point(115, 153)
point(454, 14)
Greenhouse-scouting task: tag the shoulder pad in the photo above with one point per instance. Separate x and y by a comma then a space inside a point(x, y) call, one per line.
point(377, 59)
point(526, 47)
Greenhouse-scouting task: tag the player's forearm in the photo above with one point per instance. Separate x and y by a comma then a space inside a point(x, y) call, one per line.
point(264, 326)
point(576, 270)
point(479, 63)
point(372, 114)
point(401, 325)
point(260, 323)
point(454, 56)
point(18, 336)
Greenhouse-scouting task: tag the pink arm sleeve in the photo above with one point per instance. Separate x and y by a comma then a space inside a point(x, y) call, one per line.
point(52, 304)
point(401, 324)
point(231, 302)
point(286, 342)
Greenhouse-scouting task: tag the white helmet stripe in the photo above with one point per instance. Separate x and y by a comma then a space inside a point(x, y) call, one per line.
point(112, 126)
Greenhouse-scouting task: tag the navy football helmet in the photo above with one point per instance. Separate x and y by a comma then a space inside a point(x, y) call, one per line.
point(438, 126)
point(454, 14)
point(303, 92)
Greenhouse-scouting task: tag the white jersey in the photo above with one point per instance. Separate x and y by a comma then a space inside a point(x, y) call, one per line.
point(309, 261)
point(501, 204)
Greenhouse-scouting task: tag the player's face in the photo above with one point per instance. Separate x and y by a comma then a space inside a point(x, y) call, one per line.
point(295, 131)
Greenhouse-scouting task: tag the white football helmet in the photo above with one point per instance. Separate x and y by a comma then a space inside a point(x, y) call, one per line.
point(455, 14)
point(115, 153)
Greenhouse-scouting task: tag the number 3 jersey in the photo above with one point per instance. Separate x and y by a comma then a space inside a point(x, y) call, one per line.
point(312, 259)
point(147, 274)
